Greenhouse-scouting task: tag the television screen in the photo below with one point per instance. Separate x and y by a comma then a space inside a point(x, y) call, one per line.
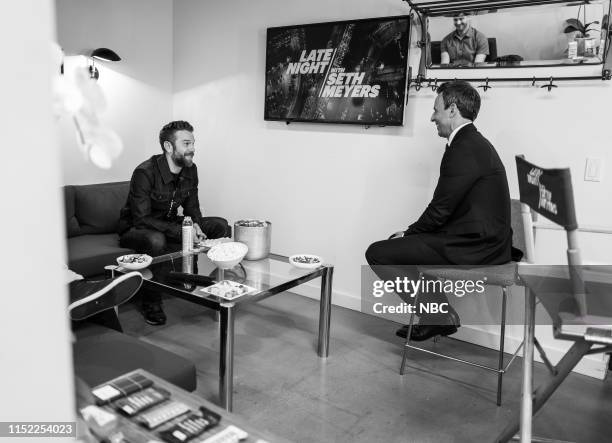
point(338, 72)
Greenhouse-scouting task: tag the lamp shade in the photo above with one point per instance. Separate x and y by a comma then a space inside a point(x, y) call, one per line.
point(105, 54)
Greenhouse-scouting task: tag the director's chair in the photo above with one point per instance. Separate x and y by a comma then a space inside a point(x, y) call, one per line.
point(578, 299)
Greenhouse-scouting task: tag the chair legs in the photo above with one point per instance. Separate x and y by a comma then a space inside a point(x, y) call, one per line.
point(502, 336)
point(500, 370)
point(410, 326)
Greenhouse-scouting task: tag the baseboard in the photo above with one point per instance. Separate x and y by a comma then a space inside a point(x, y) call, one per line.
point(339, 298)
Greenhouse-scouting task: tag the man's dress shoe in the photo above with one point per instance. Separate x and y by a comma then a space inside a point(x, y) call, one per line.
point(425, 332)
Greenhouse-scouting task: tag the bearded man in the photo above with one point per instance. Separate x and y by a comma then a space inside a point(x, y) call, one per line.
point(149, 221)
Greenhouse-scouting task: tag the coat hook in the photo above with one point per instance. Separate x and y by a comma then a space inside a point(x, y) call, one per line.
point(486, 86)
point(417, 83)
point(550, 85)
point(533, 83)
point(434, 87)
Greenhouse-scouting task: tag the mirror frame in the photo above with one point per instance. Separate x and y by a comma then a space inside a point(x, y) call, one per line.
point(494, 7)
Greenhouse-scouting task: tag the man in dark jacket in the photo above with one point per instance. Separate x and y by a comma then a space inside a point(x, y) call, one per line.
point(468, 220)
point(149, 222)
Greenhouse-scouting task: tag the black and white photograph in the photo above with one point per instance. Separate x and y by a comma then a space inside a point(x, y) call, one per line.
point(313, 222)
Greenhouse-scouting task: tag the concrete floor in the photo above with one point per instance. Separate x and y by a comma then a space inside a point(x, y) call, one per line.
point(357, 394)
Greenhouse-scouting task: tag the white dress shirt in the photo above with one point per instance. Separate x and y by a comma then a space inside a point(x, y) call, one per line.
point(452, 136)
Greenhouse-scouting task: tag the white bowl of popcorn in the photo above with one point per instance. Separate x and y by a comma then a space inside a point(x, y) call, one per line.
point(227, 255)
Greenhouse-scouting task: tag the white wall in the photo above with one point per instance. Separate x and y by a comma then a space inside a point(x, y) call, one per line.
point(334, 189)
point(35, 350)
point(138, 88)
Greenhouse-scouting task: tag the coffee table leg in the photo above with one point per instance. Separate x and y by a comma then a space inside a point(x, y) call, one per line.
point(226, 356)
point(325, 311)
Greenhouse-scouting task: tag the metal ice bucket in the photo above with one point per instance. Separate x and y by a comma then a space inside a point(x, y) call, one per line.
point(257, 235)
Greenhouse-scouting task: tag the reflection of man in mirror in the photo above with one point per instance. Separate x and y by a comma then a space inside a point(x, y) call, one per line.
point(464, 46)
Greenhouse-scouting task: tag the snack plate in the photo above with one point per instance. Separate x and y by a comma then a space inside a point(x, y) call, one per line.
point(134, 262)
point(306, 261)
point(228, 289)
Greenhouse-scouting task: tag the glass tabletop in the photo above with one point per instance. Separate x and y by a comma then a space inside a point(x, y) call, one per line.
point(251, 280)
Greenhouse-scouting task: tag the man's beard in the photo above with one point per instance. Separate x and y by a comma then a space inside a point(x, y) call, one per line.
point(181, 160)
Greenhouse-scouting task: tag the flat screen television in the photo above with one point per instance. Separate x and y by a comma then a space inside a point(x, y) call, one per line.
point(338, 72)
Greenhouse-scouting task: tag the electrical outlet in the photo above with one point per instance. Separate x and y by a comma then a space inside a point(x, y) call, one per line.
point(593, 170)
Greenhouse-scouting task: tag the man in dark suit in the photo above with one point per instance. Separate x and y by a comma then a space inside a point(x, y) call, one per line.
point(468, 220)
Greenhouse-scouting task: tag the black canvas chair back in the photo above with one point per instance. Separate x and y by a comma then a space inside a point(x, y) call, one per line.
point(549, 192)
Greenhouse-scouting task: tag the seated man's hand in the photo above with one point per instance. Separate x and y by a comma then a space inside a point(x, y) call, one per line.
point(398, 234)
point(198, 235)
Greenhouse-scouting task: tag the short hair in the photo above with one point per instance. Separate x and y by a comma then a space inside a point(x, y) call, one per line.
point(462, 94)
point(167, 132)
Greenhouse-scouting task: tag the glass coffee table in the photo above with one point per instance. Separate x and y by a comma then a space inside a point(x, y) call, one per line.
point(267, 277)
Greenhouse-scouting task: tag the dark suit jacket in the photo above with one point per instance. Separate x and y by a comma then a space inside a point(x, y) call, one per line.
point(468, 219)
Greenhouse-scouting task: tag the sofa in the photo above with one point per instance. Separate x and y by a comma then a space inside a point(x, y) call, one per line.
point(92, 216)
point(101, 353)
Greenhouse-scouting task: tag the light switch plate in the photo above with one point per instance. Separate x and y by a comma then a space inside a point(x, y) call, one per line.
point(593, 171)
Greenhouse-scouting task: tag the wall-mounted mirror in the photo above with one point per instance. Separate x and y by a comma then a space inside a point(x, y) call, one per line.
point(549, 35)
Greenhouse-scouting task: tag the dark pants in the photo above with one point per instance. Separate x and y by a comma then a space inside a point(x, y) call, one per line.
point(154, 243)
point(398, 257)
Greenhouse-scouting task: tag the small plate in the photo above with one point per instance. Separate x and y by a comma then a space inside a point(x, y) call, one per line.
point(306, 261)
point(134, 262)
point(228, 289)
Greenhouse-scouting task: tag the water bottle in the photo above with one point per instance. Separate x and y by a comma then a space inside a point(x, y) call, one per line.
point(572, 51)
point(187, 234)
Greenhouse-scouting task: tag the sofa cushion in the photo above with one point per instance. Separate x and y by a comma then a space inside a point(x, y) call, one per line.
point(72, 224)
point(97, 207)
point(88, 254)
point(107, 354)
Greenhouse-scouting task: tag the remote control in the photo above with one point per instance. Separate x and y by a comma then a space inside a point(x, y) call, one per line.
point(200, 280)
point(191, 426)
point(162, 413)
point(231, 434)
point(138, 402)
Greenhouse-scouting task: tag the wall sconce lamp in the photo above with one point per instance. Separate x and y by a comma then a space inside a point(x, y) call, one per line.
point(101, 54)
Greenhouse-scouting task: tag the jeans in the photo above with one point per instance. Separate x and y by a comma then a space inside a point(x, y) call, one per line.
point(154, 243)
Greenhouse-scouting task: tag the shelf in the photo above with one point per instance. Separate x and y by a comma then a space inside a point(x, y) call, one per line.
point(438, 8)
